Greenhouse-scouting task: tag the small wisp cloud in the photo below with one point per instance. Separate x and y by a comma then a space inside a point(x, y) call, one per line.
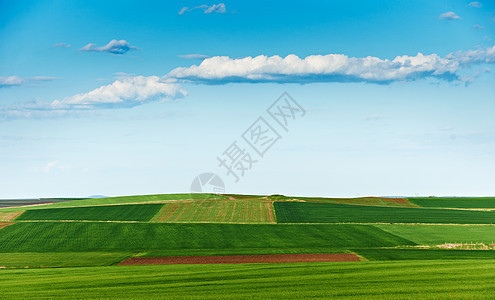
point(113, 47)
point(9, 81)
point(215, 8)
point(450, 15)
point(475, 4)
point(194, 56)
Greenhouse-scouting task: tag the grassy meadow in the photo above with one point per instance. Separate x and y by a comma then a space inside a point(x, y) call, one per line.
point(464, 279)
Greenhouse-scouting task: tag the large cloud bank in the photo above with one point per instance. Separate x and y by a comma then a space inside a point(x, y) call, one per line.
point(331, 68)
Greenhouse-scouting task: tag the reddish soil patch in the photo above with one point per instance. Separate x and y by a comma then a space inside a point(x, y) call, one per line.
point(397, 200)
point(242, 259)
point(2, 225)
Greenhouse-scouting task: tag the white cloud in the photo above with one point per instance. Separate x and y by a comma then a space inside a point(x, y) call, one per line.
point(478, 27)
point(194, 56)
point(215, 8)
point(62, 45)
point(10, 81)
point(124, 92)
point(472, 57)
point(7, 81)
point(475, 4)
point(129, 90)
point(449, 16)
point(330, 68)
point(113, 47)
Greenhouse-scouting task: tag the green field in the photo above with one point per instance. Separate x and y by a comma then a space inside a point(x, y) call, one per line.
point(94, 235)
point(116, 200)
point(58, 260)
point(216, 211)
point(455, 202)
point(423, 254)
point(472, 279)
point(439, 234)
point(300, 212)
point(135, 212)
point(373, 201)
point(140, 237)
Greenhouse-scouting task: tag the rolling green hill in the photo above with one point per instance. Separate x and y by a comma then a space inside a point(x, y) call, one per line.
point(116, 200)
point(103, 232)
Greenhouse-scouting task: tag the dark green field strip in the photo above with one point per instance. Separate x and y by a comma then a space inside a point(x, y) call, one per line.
point(439, 234)
point(300, 212)
point(133, 212)
point(469, 279)
point(455, 202)
point(423, 254)
point(142, 237)
point(61, 259)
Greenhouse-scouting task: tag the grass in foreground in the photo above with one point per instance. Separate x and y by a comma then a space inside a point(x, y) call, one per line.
point(135, 212)
point(300, 212)
point(61, 259)
point(216, 211)
point(142, 237)
point(471, 279)
point(423, 254)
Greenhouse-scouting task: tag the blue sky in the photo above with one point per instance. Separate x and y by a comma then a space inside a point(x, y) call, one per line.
point(103, 97)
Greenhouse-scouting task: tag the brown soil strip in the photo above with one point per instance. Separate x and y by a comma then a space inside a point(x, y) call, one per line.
point(2, 225)
point(271, 212)
point(9, 216)
point(242, 259)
